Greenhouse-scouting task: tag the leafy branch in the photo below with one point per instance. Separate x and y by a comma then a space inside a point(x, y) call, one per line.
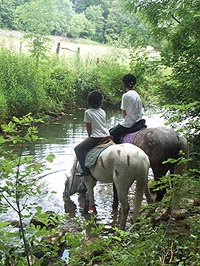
point(19, 173)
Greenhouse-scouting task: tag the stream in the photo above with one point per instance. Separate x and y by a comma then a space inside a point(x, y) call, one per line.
point(60, 137)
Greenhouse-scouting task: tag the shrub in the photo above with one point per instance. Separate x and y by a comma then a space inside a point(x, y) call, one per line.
point(110, 73)
point(20, 84)
point(3, 104)
point(58, 83)
point(86, 81)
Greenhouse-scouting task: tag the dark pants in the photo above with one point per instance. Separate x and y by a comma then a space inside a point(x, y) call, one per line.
point(82, 149)
point(119, 131)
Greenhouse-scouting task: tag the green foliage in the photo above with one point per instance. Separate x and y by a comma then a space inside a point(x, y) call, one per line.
point(104, 75)
point(94, 14)
point(3, 105)
point(102, 21)
point(31, 239)
point(59, 83)
point(20, 85)
point(175, 25)
point(33, 18)
point(190, 127)
point(86, 81)
point(182, 52)
point(124, 29)
point(81, 5)
point(20, 88)
point(7, 13)
point(146, 66)
point(18, 183)
point(153, 240)
point(77, 25)
point(37, 46)
point(110, 73)
point(25, 88)
point(64, 16)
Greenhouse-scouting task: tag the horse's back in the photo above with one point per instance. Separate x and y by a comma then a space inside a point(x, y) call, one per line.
point(121, 159)
point(123, 152)
point(160, 142)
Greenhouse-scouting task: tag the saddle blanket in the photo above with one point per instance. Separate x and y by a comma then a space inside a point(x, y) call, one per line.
point(94, 153)
point(129, 138)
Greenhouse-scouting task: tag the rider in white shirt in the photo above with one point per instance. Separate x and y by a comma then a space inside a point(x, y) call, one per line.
point(131, 109)
point(95, 119)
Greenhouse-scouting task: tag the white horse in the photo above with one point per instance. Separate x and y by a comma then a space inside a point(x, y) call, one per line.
point(121, 164)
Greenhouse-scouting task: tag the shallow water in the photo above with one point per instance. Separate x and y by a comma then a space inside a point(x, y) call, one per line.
point(60, 138)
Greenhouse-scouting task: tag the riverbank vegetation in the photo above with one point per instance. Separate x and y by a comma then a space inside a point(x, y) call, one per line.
point(57, 85)
point(42, 84)
point(166, 233)
point(167, 76)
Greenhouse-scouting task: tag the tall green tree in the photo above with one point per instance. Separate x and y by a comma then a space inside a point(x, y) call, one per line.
point(7, 12)
point(94, 14)
point(81, 5)
point(37, 19)
point(175, 24)
point(77, 25)
point(65, 14)
point(124, 28)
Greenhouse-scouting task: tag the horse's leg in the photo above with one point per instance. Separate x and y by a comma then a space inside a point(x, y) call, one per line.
point(90, 182)
point(139, 191)
point(115, 198)
point(148, 194)
point(158, 172)
point(123, 199)
point(122, 193)
point(160, 194)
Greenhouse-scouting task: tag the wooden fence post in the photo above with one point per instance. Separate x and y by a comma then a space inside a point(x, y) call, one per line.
point(20, 46)
point(58, 48)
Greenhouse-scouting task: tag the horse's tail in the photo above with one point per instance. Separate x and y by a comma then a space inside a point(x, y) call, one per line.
point(141, 187)
point(139, 191)
point(184, 147)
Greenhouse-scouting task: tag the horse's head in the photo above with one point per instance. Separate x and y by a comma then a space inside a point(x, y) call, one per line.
point(74, 184)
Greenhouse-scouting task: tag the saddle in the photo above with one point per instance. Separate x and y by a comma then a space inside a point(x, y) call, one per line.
point(93, 154)
point(129, 138)
point(132, 131)
point(141, 124)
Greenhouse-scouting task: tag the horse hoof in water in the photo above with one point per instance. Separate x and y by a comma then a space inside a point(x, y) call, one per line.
point(121, 164)
point(92, 210)
point(86, 206)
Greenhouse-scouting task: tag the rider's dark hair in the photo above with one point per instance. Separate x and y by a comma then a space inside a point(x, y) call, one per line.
point(94, 99)
point(129, 80)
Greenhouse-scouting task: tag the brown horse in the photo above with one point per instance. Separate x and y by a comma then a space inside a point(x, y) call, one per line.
point(160, 144)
